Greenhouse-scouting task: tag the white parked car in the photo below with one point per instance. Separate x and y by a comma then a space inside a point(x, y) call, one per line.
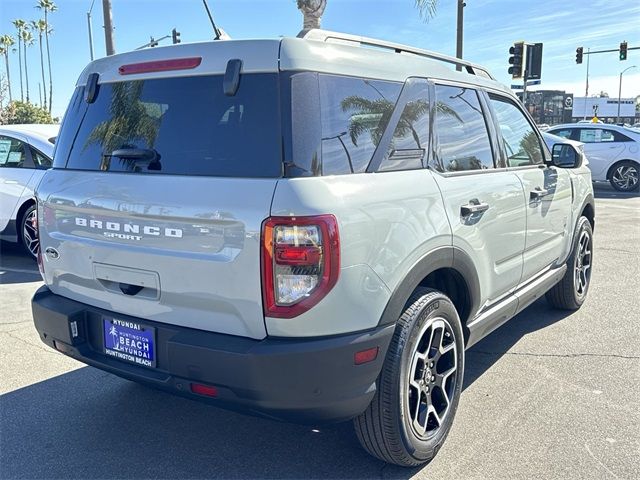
point(25, 153)
point(613, 151)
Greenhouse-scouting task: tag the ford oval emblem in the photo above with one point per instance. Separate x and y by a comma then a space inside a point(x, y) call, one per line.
point(52, 252)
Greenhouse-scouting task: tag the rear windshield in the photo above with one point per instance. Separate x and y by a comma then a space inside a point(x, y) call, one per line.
point(177, 126)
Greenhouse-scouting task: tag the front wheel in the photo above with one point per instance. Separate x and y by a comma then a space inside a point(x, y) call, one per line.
point(420, 384)
point(624, 176)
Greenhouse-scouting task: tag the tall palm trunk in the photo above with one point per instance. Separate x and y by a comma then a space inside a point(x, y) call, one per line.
point(312, 11)
point(46, 36)
point(26, 70)
point(6, 63)
point(20, 67)
point(44, 85)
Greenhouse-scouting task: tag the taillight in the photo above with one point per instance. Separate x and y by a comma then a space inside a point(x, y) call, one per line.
point(300, 263)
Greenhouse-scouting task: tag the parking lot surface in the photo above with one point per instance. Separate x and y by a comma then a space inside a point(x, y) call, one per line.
point(549, 395)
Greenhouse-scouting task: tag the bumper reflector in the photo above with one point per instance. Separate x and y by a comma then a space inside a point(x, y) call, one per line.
point(365, 356)
point(206, 390)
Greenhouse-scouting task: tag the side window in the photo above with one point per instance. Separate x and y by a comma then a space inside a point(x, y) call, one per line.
point(564, 133)
point(463, 139)
point(607, 136)
point(619, 137)
point(411, 135)
point(354, 115)
point(41, 161)
point(12, 153)
point(520, 140)
point(590, 135)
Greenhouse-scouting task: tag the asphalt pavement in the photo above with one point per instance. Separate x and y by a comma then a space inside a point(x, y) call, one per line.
point(549, 395)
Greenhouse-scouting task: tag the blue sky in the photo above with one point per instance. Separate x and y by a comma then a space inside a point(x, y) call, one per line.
point(491, 26)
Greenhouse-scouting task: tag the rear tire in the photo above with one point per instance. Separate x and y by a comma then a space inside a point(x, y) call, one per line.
point(571, 292)
point(420, 384)
point(624, 176)
point(28, 234)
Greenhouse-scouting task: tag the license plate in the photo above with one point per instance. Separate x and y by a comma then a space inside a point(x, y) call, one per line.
point(131, 342)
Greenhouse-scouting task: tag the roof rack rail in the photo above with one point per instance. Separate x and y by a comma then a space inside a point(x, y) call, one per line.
point(329, 36)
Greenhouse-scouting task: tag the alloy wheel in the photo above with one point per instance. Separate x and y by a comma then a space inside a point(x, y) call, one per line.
point(582, 267)
point(625, 177)
point(432, 379)
point(30, 233)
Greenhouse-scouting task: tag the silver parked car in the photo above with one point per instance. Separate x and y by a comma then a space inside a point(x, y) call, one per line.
point(304, 228)
point(25, 153)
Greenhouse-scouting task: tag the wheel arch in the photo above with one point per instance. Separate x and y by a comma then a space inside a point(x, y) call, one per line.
point(447, 269)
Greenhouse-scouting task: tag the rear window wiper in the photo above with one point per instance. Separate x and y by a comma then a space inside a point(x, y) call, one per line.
point(132, 156)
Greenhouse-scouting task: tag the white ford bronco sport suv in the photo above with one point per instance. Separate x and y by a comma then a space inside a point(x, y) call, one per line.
point(311, 229)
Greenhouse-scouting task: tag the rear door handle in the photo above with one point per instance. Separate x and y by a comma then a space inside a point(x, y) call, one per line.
point(474, 206)
point(538, 193)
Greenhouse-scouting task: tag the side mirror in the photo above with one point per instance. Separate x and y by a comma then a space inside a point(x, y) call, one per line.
point(565, 155)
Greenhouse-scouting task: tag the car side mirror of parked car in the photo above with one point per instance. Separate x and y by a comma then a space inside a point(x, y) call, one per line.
point(565, 155)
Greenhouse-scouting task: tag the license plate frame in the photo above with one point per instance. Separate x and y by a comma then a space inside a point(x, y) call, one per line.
point(129, 341)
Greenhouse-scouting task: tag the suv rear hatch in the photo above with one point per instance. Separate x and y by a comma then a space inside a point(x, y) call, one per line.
point(159, 188)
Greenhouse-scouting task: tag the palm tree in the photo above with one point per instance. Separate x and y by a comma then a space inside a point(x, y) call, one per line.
point(27, 41)
point(6, 42)
point(312, 11)
point(48, 6)
point(40, 26)
point(427, 8)
point(20, 24)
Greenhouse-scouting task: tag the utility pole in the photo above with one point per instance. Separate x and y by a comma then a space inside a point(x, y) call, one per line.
point(90, 30)
point(108, 27)
point(586, 90)
point(461, 6)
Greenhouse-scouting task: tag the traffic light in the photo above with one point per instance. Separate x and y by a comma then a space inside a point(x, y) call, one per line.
point(623, 51)
point(175, 35)
point(579, 55)
point(153, 42)
point(516, 59)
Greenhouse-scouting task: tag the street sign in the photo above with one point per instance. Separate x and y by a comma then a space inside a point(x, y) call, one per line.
point(516, 87)
point(533, 82)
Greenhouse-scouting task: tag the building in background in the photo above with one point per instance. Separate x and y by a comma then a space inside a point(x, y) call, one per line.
point(606, 109)
point(553, 107)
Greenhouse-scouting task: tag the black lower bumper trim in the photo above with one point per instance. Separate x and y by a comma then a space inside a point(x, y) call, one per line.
point(299, 380)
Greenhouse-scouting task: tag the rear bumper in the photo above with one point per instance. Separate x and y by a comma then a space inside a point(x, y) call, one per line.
point(299, 380)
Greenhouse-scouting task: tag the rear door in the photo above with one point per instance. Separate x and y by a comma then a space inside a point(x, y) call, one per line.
point(547, 190)
point(484, 202)
point(16, 169)
point(602, 147)
point(156, 198)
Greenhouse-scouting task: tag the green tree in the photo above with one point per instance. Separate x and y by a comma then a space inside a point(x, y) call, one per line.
point(20, 24)
point(6, 42)
point(48, 6)
point(23, 112)
point(40, 26)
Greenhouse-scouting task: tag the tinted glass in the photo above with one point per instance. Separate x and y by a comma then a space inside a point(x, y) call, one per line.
point(520, 140)
point(463, 139)
point(591, 135)
point(354, 114)
point(184, 126)
point(411, 134)
point(564, 133)
point(40, 160)
point(12, 152)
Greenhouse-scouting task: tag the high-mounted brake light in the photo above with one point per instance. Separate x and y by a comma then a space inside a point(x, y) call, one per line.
point(160, 65)
point(300, 263)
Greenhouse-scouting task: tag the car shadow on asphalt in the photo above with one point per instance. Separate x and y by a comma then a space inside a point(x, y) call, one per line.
point(605, 191)
point(90, 424)
point(16, 266)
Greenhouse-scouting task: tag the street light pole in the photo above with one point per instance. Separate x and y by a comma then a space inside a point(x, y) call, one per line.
point(90, 31)
point(620, 90)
